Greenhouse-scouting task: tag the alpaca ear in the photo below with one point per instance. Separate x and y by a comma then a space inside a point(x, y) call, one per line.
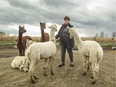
point(40, 23)
point(19, 26)
point(24, 26)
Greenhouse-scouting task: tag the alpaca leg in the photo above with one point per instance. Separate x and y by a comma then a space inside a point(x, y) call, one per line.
point(51, 65)
point(23, 52)
point(31, 73)
point(88, 64)
point(45, 67)
point(84, 67)
point(20, 52)
point(96, 72)
point(92, 71)
point(94, 77)
point(33, 66)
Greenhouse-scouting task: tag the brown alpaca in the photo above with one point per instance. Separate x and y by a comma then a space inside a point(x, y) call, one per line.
point(21, 44)
point(44, 36)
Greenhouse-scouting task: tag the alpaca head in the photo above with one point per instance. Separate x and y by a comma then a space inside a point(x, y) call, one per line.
point(53, 27)
point(42, 25)
point(72, 32)
point(28, 43)
point(21, 29)
point(25, 66)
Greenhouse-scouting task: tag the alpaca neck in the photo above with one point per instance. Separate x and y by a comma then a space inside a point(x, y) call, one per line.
point(52, 35)
point(42, 34)
point(20, 37)
point(77, 39)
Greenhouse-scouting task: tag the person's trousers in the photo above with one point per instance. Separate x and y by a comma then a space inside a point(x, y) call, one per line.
point(65, 46)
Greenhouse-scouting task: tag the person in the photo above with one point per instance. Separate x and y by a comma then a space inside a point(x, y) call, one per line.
point(65, 42)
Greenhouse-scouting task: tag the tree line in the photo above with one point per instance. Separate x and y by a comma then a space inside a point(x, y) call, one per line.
point(102, 34)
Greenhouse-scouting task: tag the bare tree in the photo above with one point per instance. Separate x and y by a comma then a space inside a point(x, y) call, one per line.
point(113, 34)
point(102, 34)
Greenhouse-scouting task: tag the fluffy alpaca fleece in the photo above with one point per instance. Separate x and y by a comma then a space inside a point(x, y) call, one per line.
point(29, 42)
point(20, 62)
point(91, 51)
point(42, 50)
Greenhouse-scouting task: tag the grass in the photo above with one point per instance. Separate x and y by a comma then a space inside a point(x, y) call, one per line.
point(106, 43)
point(6, 42)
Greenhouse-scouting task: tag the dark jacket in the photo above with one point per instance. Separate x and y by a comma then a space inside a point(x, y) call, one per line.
point(64, 35)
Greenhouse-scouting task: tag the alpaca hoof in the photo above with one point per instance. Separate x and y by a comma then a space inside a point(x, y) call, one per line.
point(32, 79)
point(35, 77)
point(93, 82)
point(84, 74)
point(88, 68)
point(45, 75)
point(33, 82)
point(92, 77)
point(52, 73)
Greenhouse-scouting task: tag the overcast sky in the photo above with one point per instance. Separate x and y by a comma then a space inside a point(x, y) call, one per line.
point(88, 16)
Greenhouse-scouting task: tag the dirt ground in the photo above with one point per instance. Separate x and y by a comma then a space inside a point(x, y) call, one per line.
point(64, 77)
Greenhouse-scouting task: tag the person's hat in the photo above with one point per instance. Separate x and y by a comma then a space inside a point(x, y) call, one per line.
point(66, 17)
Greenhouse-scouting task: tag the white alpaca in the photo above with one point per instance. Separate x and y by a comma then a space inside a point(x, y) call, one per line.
point(91, 51)
point(20, 62)
point(42, 50)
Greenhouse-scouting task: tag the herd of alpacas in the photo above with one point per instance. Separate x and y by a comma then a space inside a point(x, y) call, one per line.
point(91, 51)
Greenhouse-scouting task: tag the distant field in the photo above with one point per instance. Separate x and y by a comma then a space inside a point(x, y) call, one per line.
point(13, 39)
point(102, 41)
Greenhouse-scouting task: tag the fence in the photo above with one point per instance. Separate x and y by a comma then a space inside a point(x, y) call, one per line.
point(11, 41)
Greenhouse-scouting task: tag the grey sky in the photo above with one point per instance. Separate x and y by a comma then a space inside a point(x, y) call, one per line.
point(89, 16)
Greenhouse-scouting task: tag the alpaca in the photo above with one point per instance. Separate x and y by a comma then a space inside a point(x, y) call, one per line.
point(91, 51)
point(21, 44)
point(20, 62)
point(41, 50)
point(44, 36)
